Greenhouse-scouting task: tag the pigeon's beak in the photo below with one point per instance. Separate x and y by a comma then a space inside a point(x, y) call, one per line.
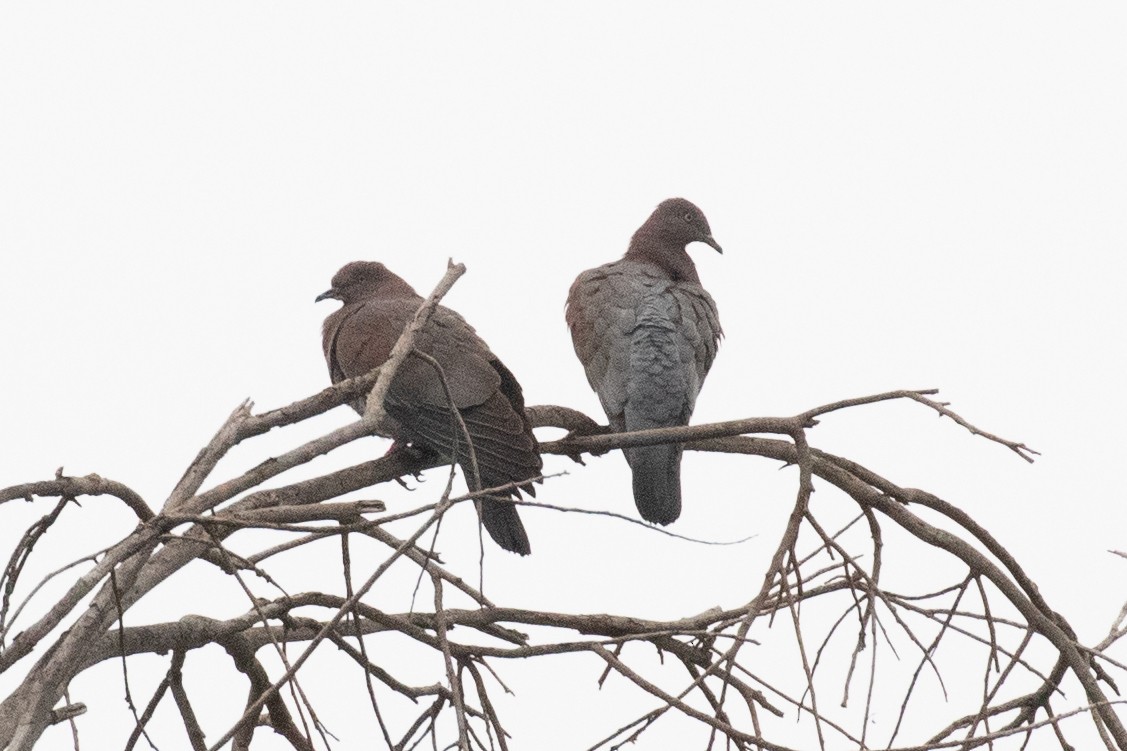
point(329, 294)
point(710, 241)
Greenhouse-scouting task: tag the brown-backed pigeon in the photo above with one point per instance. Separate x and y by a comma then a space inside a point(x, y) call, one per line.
point(646, 332)
point(359, 336)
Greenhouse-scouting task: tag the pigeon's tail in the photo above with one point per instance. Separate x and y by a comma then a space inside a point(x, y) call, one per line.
point(657, 481)
point(504, 525)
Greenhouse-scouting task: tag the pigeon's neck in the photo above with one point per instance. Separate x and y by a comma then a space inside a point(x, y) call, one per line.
point(392, 288)
point(670, 257)
point(392, 285)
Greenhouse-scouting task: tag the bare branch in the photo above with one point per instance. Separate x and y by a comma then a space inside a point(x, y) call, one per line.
point(73, 487)
point(810, 570)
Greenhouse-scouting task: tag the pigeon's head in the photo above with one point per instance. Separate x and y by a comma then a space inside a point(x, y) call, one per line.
point(365, 280)
point(679, 222)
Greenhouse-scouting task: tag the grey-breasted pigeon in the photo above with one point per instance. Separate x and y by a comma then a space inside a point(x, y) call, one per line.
point(359, 336)
point(646, 332)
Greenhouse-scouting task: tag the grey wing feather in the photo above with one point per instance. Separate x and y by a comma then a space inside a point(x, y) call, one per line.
point(602, 316)
point(464, 358)
point(699, 332)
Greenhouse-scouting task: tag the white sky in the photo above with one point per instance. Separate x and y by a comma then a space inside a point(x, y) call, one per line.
point(908, 195)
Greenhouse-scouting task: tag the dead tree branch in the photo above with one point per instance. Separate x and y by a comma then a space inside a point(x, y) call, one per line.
point(991, 609)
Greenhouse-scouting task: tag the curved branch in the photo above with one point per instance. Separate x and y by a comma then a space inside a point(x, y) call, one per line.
point(72, 487)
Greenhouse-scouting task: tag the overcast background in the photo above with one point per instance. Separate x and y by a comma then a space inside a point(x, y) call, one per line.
point(908, 196)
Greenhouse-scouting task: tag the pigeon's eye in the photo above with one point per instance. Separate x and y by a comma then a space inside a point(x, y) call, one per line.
point(688, 217)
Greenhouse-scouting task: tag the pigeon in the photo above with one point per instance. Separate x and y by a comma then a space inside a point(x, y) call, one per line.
point(646, 332)
point(358, 337)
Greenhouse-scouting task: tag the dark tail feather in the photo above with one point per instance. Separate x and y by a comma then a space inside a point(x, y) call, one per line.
point(504, 525)
point(500, 518)
point(657, 481)
point(503, 451)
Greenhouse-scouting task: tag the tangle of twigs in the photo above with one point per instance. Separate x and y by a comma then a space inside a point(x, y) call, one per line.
point(827, 583)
